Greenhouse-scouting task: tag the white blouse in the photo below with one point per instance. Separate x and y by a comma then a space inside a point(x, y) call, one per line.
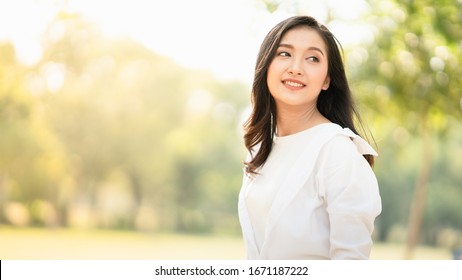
point(316, 197)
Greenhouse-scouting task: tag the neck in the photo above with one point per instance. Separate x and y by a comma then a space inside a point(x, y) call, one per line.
point(290, 121)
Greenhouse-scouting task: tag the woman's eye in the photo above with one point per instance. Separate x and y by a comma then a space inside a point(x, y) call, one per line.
point(313, 59)
point(284, 54)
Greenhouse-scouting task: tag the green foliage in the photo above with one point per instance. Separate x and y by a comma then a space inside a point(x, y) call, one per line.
point(113, 135)
point(409, 81)
point(414, 63)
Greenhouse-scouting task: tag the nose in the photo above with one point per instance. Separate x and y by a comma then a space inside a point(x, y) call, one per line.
point(295, 69)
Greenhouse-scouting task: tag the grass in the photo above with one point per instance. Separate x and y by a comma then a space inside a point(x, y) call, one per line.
point(35, 243)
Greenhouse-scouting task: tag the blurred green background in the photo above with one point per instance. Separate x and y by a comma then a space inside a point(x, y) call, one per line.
point(116, 142)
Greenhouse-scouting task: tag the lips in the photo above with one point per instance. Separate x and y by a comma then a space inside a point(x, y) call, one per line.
point(293, 83)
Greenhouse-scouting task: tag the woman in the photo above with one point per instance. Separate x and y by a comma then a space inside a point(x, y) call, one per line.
point(309, 191)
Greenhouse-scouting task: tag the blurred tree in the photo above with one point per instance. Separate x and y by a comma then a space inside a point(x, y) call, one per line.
point(116, 103)
point(32, 161)
point(412, 73)
point(128, 134)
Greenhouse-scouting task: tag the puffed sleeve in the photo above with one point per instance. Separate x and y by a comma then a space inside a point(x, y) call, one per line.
point(350, 191)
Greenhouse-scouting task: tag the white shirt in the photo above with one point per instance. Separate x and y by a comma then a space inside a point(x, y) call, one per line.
point(316, 197)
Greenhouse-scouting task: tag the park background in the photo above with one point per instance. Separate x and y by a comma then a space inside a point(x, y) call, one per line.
point(121, 122)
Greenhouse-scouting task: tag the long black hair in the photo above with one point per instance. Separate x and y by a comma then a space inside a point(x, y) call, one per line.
point(335, 103)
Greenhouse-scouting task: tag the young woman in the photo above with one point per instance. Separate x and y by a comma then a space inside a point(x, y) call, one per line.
point(309, 191)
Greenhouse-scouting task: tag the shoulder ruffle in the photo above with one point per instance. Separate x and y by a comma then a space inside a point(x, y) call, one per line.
point(361, 144)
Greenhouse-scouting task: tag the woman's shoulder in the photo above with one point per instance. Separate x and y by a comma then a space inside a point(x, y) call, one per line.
point(346, 140)
point(345, 148)
point(339, 146)
point(342, 159)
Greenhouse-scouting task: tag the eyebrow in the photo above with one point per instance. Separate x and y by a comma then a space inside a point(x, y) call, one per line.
point(312, 48)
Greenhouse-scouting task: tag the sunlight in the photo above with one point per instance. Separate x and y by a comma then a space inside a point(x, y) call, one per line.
point(202, 34)
point(221, 36)
point(23, 27)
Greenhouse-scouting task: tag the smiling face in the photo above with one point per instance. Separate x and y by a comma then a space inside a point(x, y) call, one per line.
point(299, 70)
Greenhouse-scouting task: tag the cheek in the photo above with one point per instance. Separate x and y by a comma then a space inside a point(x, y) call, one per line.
point(271, 70)
point(271, 75)
point(319, 75)
point(274, 72)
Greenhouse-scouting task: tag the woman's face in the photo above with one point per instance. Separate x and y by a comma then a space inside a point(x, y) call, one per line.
point(298, 72)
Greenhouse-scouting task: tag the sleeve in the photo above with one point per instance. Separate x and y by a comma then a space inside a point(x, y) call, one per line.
point(350, 190)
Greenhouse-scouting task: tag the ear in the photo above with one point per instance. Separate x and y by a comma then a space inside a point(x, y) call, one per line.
point(326, 84)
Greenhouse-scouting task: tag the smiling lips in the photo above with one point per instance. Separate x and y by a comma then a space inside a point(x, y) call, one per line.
point(293, 84)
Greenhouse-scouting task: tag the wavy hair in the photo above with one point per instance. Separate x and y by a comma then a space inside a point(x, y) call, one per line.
point(335, 103)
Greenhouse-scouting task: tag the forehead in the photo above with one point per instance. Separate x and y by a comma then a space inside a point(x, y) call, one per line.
point(303, 36)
